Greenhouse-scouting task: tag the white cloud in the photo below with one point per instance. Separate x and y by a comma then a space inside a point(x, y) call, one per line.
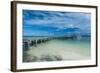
point(62, 20)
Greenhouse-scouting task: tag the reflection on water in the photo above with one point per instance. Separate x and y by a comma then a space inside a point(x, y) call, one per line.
point(55, 49)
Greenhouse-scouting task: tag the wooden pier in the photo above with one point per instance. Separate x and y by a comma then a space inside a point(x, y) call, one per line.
point(29, 42)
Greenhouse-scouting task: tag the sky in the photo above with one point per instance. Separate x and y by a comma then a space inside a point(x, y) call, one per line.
point(55, 23)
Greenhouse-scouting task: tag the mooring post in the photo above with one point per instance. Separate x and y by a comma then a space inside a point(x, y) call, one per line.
point(41, 40)
point(26, 45)
point(36, 42)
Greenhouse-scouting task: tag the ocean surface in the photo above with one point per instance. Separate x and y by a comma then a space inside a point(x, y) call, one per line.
point(58, 50)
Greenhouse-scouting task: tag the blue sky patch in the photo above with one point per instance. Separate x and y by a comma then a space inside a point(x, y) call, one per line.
point(51, 23)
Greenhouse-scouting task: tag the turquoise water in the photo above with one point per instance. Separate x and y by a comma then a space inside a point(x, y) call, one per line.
point(58, 50)
point(79, 46)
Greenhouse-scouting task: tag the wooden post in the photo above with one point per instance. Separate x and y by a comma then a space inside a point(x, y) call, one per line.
point(36, 42)
point(41, 40)
point(26, 45)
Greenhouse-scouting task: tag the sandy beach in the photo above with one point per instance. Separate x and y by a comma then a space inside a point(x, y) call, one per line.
point(54, 50)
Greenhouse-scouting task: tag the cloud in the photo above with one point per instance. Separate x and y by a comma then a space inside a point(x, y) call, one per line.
point(59, 20)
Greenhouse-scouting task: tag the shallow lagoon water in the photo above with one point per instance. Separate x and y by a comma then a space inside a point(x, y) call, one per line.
point(58, 50)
